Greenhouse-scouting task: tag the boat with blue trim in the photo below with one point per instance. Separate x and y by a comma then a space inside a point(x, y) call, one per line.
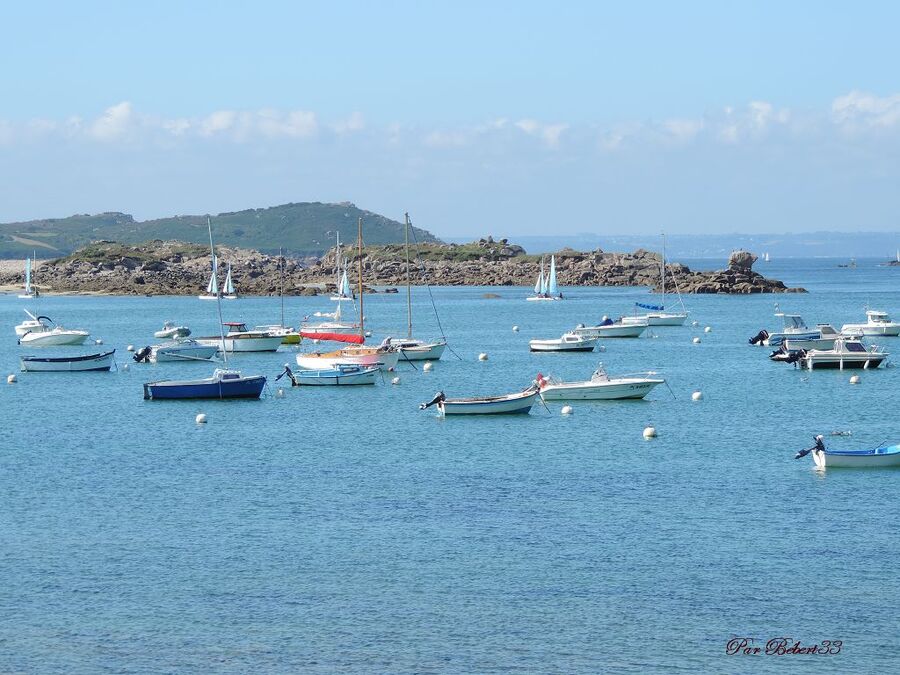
point(882, 456)
point(68, 364)
point(509, 404)
point(223, 384)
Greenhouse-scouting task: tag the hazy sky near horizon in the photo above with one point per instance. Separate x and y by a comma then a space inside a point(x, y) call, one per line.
point(504, 117)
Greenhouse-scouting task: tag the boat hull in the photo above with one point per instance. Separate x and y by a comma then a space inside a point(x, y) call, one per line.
point(385, 360)
point(519, 404)
point(431, 352)
point(244, 387)
point(244, 344)
point(612, 331)
point(872, 331)
point(337, 377)
point(587, 345)
point(599, 391)
point(174, 353)
point(54, 339)
point(858, 459)
point(536, 298)
point(845, 363)
point(89, 362)
point(777, 339)
point(170, 333)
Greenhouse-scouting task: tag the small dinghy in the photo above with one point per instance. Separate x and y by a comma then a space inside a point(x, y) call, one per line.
point(607, 328)
point(600, 387)
point(882, 456)
point(170, 330)
point(568, 342)
point(518, 403)
point(339, 375)
point(68, 364)
point(223, 384)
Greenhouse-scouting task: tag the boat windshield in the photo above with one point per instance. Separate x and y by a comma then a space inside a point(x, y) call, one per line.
point(854, 347)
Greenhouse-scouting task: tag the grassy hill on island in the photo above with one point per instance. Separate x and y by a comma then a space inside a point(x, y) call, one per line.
point(306, 228)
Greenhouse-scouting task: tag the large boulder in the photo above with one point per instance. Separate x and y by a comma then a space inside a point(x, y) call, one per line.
point(741, 260)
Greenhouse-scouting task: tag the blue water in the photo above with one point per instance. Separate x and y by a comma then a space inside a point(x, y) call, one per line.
point(341, 529)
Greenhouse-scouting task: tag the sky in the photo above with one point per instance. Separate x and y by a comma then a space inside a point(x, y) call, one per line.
point(503, 117)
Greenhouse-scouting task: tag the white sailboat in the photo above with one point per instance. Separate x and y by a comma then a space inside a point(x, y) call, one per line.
point(212, 288)
point(657, 314)
point(410, 348)
point(545, 288)
point(228, 291)
point(30, 291)
point(344, 291)
point(766, 257)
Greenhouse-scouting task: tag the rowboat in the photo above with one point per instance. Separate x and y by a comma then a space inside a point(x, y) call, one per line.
point(67, 364)
point(568, 342)
point(608, 328)
point(882, 456)
point(55, 337)
point(223, 384)
point(341, 375)
point(600, 387)
point(518, 403)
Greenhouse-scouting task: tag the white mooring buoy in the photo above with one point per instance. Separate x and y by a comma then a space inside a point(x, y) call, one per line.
point(125, 367)
point(854, 379)
point(482, 356)
point(129, 348)
point(98, 342)
point(696, 341)
point(396, 380)
point(695, 323)
point(650, 432)
point(201, 418)
point(515, 329)
point(566, 410)
point(708, 329)
point(697, 395)
point(427, 366)
point(11, 379)
point(279, 393)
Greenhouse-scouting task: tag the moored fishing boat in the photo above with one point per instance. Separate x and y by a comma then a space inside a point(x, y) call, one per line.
point(568, 342)
point(846, 353)
point(795, 328)
point(239, 339)
point(877, 324)
point(607, 328)
point(600, 387)
point(508, 404)
point(176, 350)
point(68, 364)
point(170, 330)
point(341, 375)
point(224, 383)
point(881, 456)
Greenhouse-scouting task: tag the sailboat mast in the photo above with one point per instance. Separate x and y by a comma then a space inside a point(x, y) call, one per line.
point(663, 271)
point(218, 295)
point(281, 285)
point(408, 285)
point(362, 329)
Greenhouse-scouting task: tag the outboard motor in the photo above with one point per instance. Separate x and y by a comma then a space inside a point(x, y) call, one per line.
point(438, 397)
point(759, 338)
point(142, 355)
point(819, 447)
point(290, 375)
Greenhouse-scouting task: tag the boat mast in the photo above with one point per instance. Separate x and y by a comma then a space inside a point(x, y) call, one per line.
point(218, 295)
point(408, 285)
point(362, 329)
point(663, 271)
point(281, 275)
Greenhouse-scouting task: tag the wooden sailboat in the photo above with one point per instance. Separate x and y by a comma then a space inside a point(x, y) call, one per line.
point(410, 348)
point(384, 356)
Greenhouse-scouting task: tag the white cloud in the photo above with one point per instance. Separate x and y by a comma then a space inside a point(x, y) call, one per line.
point(355, 122)
point(548, 133)
point(115, 122)
point(859, 109)
point(750, 123)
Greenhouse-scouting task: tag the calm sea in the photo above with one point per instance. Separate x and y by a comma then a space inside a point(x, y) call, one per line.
point(341, 529)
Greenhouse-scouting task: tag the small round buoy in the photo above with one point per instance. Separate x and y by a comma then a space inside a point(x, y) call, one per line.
point(697, 395)
point(368, 333)
point(605, 318)
point(566, 410)
point(854, 379)
point(482, 356)
point(279, 393)
point(708, 329)
point(427, 366)
point(515, 329)
point(601, 348)
point(396, 380)
point(125, 367)
point(696, 341)
point(650, 432)
point(129, 348)
point(11, 379)
point(98, 341)
point(695, 323)
point(201, 418)
point(316, 341)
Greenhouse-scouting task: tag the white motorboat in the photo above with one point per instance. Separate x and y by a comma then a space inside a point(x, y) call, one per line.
point(67, 364)
point(212, 288)
point(568, 342)
point(419, 350)
point(546, 288)
point(33, 324)
point(54, 337)
point(795, 328)
point(179, 350)
point(288, 335)
point(827, 335)
point(656, 315)
point(873, 458)
point(508, 404)
point(600, 387)
point(30, 292)
point(608, 328)
point(877, 324)
point(170, 330)
point(846, 353)
point(239, 339)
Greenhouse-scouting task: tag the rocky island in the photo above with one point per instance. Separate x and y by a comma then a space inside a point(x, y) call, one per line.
point(178, 268)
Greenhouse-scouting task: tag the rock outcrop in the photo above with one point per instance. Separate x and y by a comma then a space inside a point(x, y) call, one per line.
point(176, 268)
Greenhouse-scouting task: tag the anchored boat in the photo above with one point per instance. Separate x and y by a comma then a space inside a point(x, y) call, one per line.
point(518, 403)
point(846, 353)
point(607, 328)
point(338, 376)
point(568, 342)
point(877, 324)
point(882, 456)
point(67, 364)
point(239, 339)
point(600, 387)
point(170, 330)
point(657, 314)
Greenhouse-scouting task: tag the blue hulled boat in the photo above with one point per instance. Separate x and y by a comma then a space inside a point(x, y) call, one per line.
point(223, 384)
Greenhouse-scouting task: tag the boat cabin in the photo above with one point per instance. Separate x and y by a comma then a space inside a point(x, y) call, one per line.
point(235, 327)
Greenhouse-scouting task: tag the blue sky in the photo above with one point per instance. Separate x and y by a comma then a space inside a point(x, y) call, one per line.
point(508, 117)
